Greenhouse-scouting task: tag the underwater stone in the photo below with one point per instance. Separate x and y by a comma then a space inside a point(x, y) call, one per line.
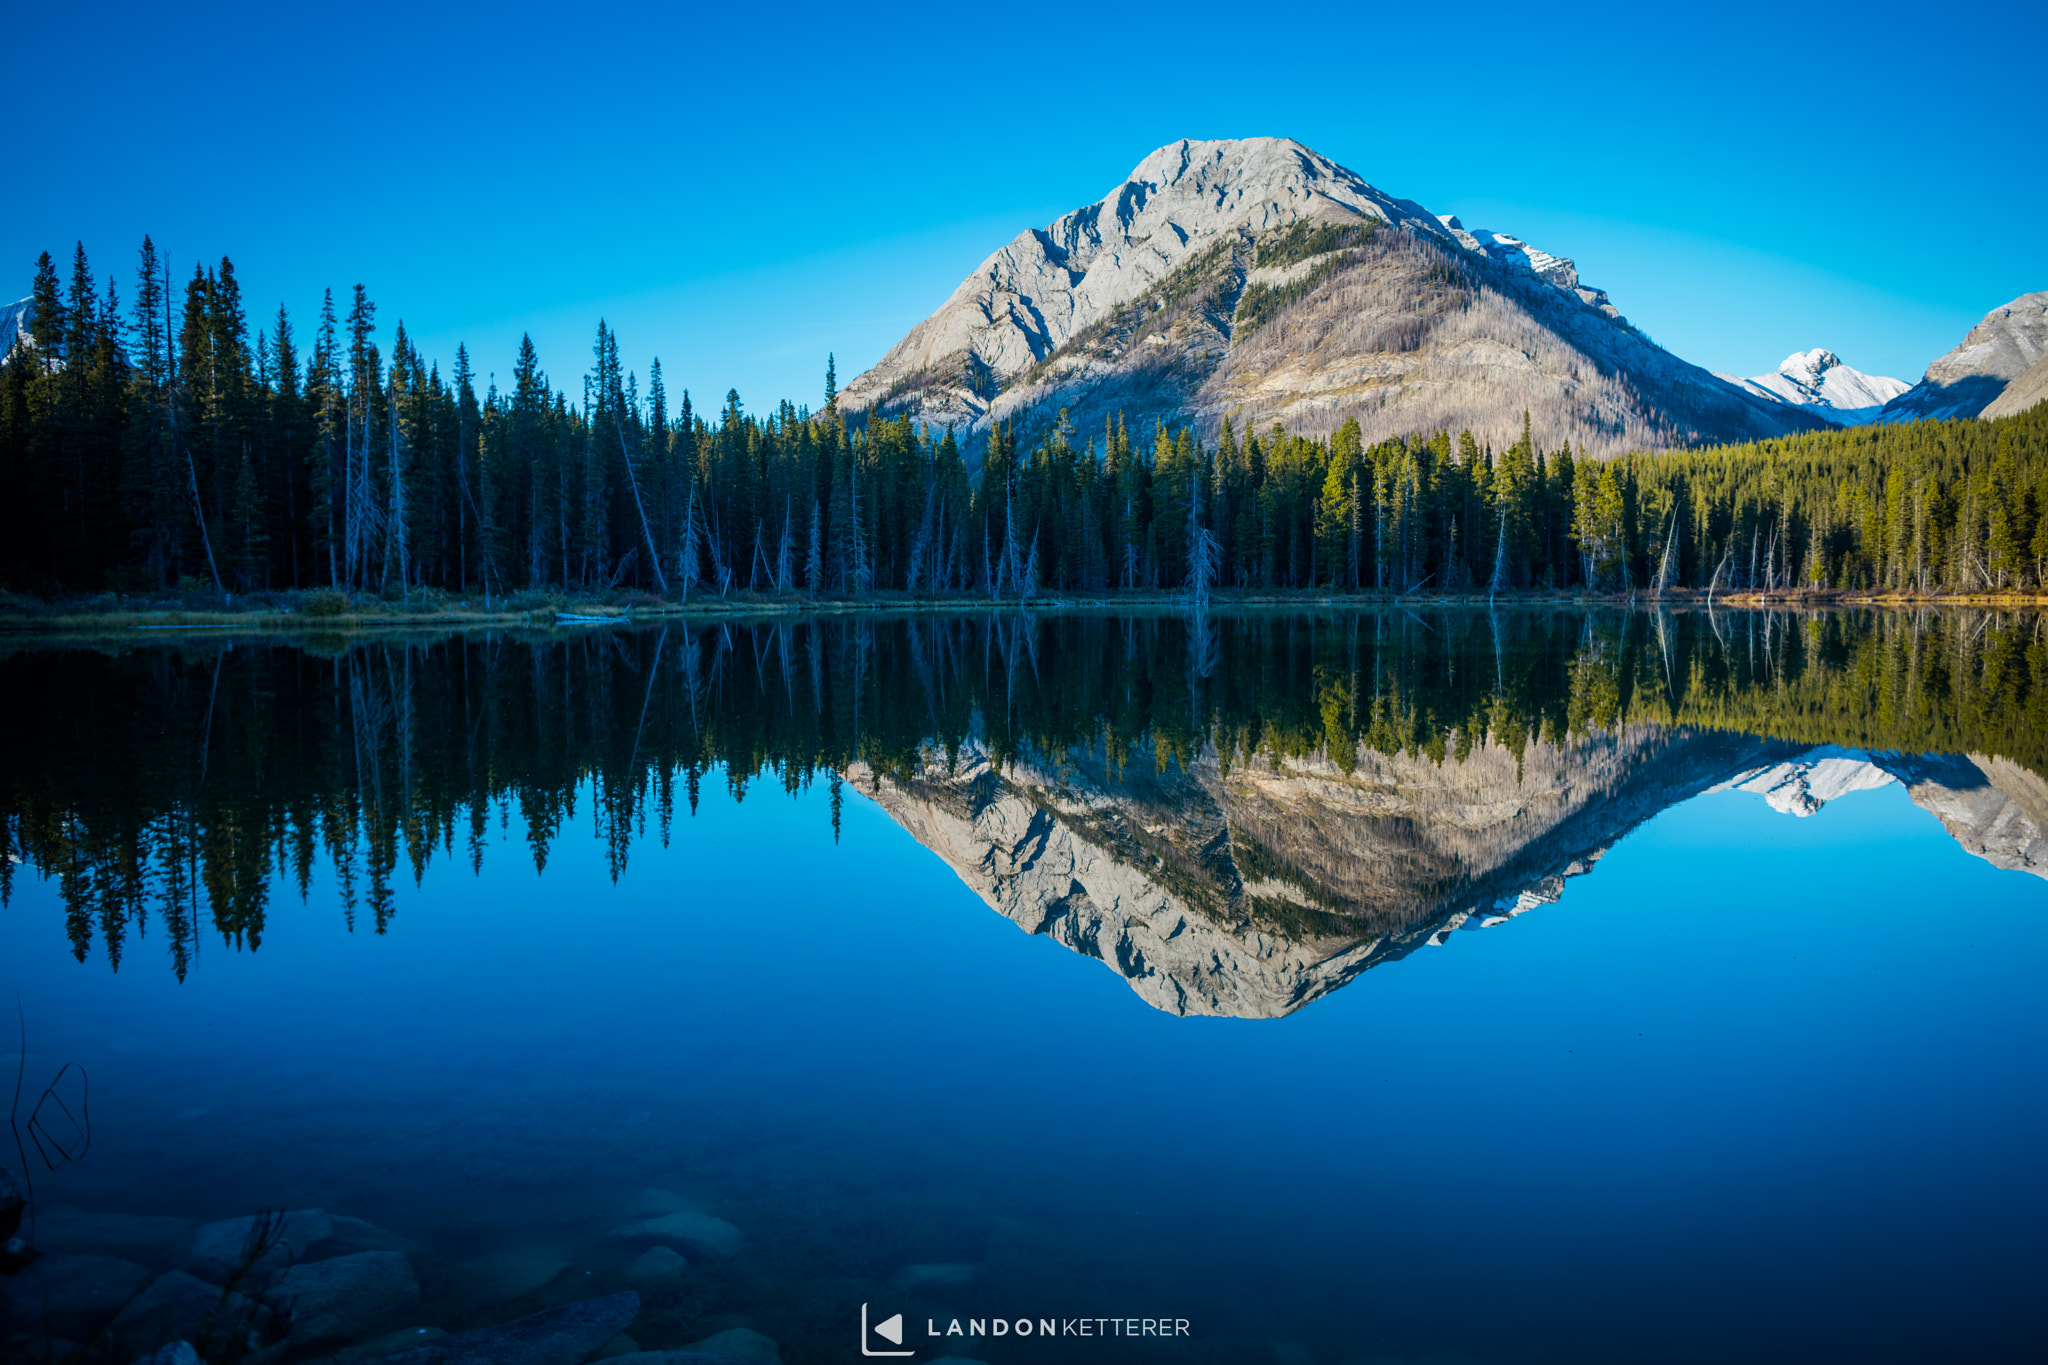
point(740, 1343)
point(559, 1336)
point(689, 1357)
point(82, 1293)
point(176, 1353)
point(218, 1249)
point(182, 1307)
point(346, 1296)
point(699, 1232)
point(355, 1234)
point(658, 1266)
point(620, 1345)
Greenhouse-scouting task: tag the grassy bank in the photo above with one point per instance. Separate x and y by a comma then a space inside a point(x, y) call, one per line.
point(327, 612)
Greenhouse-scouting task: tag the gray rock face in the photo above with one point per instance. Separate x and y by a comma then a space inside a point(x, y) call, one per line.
point(2029, 390)
point(220, 1249)
point(348, 1296)
point(1964, 383)
point(559, 1336)
point(1251, 893)
point(79, 1294)
point(1259, 279)
point(1993, 807)
point(713, 1238)
point(180, 1307)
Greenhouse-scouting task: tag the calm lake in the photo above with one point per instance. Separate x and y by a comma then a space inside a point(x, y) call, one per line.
point(1402, 985)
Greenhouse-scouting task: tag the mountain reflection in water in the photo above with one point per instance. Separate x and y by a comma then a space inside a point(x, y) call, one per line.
point(1238, 814)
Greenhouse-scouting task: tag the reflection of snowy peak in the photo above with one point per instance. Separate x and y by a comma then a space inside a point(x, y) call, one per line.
point(1819, 382)
point(1995, 809)
point(1805, 784)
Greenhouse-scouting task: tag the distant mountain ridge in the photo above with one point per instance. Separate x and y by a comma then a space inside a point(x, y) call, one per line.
point(1258, 280)
point(1819, 382)
point(1997, 355)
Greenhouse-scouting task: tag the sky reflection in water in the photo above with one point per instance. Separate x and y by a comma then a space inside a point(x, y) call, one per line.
point(1755, 1086)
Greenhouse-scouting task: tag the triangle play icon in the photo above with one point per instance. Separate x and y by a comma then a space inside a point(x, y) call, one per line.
point(892, 1328)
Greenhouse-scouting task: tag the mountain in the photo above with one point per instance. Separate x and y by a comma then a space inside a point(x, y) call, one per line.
point(1251, 890)
point(1820, 383)
point(1259, 280)
point(2022, 393)
point(14, 321)
point(1999, 351)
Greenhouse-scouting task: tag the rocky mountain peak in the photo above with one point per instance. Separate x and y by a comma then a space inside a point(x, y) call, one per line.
point(1257, 279)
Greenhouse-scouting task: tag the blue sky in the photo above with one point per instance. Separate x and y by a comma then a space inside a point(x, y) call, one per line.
point(741, 191)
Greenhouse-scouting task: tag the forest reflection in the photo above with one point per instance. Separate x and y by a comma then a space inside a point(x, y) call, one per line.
point(177, 789)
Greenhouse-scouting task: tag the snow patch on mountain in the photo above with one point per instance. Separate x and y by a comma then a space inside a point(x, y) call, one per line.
point(14, 323)
point(1819, 382)
point(1803, 785)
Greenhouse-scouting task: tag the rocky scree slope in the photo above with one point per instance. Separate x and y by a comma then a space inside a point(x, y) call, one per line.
point(1259, 280)
point(1997, 354)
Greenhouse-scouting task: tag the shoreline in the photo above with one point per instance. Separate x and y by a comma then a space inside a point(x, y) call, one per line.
point(290, 617)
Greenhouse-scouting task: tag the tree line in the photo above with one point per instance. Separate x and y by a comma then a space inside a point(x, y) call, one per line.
point(158, 447)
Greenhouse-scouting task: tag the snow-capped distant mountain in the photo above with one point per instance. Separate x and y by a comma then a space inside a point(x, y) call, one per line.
point(1803, 785)
point(14, 320)
point(1819, 382)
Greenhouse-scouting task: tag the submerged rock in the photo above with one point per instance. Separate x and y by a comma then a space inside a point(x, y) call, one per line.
point(355, 1234)
point(510, 1272)
point(133, 1237)
point(940, 1274)
point(219, 1250)
point(559, 1336)
point(658, 1266)
point(740, 1343)
point(385, 1345)
point(710, 1237)
point(690, 1357)
point(182, 1307)
point(79, 1294)
point(620, 1345)
point(346, 1296)
point(175, 1353)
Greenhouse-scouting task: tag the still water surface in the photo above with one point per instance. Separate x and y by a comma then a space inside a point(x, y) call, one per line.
point(1538, 987)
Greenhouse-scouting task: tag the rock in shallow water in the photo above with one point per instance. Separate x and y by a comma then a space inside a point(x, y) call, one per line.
point(658, 1267)
point(182, 1307)
point(347, 1296)
point(177, 1353)
point(220, 1249)
point(80, 1293)
point(559, 1336)
point(740, 1343)
point(699, 1232)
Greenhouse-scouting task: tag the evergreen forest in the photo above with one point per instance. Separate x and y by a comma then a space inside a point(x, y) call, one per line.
point(157, 447)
